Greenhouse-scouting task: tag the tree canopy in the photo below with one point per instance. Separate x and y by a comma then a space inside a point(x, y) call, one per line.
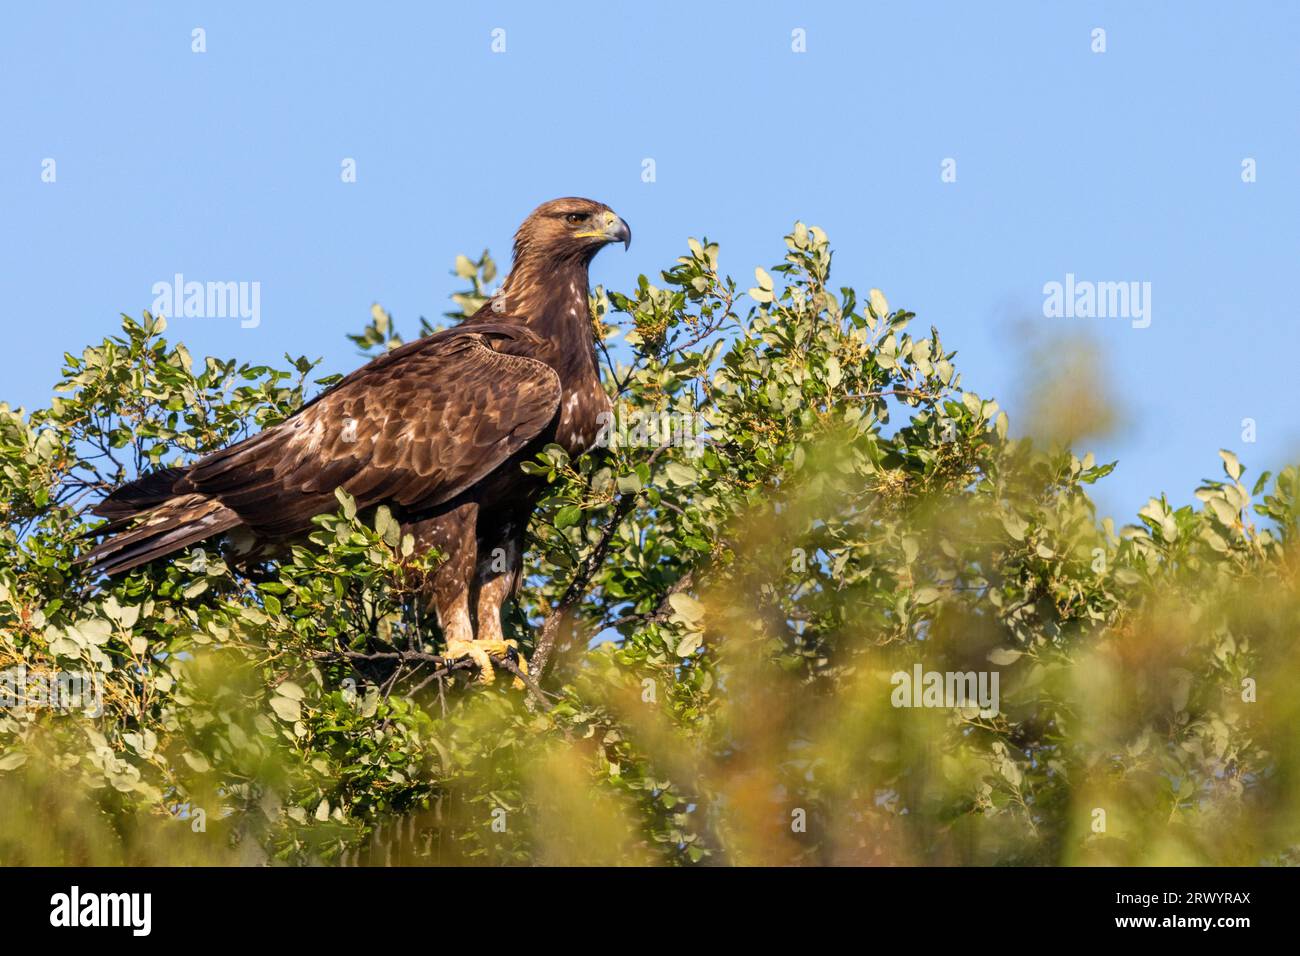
point(797, 501)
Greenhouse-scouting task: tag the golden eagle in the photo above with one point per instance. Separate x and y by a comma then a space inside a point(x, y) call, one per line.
point(436, 429)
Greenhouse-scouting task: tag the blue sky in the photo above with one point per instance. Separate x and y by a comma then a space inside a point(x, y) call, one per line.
point(1116, 166)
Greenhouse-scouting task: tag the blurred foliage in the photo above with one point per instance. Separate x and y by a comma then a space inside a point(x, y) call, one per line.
point(799, 498)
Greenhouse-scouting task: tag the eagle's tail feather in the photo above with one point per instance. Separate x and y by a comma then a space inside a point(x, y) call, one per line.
point(161, 530)
point(134, 497)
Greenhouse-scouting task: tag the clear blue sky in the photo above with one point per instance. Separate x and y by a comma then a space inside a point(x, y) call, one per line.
point(1117, 166)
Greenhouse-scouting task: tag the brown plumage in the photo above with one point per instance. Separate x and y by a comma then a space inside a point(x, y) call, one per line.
point(436, 430)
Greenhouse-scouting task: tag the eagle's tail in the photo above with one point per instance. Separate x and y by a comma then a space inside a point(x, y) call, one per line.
point(148, 521)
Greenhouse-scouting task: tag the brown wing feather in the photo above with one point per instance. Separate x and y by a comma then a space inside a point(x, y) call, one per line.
point(415, 427)
point(145, 492)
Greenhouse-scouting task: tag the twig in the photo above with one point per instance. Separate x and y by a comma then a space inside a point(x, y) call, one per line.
point(526, 680)
point(660, 613)
point(577, 586)
point(401, 656)
point(448, 666)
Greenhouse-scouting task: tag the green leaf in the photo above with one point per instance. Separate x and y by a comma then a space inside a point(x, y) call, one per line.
point(1015, 526)
point(679, 473)
point(286, 708)
point(387, 527)
point(926, 595)
point(197, 762)
point(686, 608)
point(879, 304)
point(689, 644)
point(13, 760)
point(1223, 511)
point(1230, 464)
point(348, 502)
point(95, 632)
point(834, 374)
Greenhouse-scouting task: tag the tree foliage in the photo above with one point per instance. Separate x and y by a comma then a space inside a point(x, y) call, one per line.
point(797, 500)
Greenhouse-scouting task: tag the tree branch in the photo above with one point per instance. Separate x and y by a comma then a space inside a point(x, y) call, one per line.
point(577, 586)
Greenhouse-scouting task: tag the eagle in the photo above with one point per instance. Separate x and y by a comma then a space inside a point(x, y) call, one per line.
point(436, 429)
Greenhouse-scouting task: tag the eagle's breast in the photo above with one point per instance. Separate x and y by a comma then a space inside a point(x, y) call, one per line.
point(581, 408)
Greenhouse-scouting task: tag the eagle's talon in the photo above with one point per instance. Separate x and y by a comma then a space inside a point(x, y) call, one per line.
point(517, 657)
point(482, 652)
point(477, 651)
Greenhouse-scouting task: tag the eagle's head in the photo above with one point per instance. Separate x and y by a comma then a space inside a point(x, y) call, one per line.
point(569, 229)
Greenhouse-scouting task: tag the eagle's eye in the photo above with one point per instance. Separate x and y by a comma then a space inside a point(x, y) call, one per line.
point(577, 217)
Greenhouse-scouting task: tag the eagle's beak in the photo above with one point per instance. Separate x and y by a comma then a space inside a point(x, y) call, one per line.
point(616, 230)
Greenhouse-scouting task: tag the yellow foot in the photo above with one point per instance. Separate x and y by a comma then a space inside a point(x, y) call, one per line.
point(481, 653)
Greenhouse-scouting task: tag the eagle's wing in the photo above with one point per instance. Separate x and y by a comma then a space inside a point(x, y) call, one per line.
point(416, 426)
